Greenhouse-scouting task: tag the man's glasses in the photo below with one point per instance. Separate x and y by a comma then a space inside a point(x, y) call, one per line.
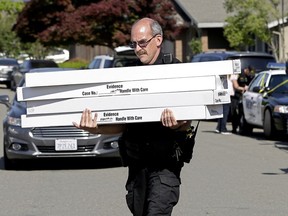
point(141, 44)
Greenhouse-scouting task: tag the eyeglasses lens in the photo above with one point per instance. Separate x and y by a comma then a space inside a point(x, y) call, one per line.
point(141, 44)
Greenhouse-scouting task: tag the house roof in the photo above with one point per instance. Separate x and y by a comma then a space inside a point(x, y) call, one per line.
point(209, 13)
point(206, 13)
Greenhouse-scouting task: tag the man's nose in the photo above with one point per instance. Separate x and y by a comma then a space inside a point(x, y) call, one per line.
point(137, 47)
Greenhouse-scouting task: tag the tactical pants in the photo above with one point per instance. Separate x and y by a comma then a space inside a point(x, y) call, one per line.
point(151, 192)
point(235, 116)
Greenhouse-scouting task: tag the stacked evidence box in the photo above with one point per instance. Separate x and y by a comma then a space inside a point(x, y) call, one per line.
point(192, 98)
point(211, 82)
point(120, 74)
point(125, 116)
point(52, 97)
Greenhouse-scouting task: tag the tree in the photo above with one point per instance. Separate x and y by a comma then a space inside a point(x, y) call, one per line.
point(9, 43)
point(91, 22)
point(196, 46)
point(37, 16)
point(250, 19)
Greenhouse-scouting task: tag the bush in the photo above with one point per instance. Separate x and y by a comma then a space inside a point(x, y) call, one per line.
point(196, 46)
point(74, 63)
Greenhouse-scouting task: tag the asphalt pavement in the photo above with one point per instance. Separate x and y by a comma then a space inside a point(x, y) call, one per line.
point(233, 175)
point(229, 175)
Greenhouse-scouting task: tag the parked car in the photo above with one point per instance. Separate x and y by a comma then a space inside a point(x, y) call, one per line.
point(101, 61)
point(257, 60)
point(7, 66)
point(28, 65)
point(22, 144)
point(58, 55)
point(265, 104)
point(123, 56)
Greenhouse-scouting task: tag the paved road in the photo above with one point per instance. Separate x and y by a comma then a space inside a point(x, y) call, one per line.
point(228, 176)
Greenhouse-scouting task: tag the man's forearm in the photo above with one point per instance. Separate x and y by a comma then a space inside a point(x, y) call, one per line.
point(184, 126)
point(107, 129)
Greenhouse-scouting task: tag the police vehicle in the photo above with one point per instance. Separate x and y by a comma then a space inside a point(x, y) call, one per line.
point(265, 104)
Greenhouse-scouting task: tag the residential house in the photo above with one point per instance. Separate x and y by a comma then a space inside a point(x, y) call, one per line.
point(206, 20)
point(208, 16)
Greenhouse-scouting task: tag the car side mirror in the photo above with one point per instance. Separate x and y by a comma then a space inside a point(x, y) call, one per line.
point(4, 99)
point(256, 89)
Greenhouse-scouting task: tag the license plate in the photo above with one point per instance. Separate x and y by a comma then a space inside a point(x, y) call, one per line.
point(66, 145)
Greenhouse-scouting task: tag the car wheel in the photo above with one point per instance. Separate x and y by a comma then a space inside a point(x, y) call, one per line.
point(244, 127)
point(269, 130)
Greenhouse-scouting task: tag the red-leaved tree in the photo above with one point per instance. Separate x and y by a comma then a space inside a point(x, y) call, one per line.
point(88, 22)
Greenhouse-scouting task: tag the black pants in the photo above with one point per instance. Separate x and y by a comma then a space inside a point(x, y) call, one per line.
point(152, 192)
point(235, 115)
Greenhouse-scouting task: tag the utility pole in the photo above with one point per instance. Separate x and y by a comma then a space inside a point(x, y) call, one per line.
point(283, 56)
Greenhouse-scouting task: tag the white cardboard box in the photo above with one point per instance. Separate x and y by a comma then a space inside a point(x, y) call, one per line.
point(125, 116)
point(118, 88)
point(120, 74)
point(128, 102)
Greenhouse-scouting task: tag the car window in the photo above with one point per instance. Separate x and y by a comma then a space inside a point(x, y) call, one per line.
point(195, 59)
point(280, 82)
point(24, 65)
point(95, 64)
point(210, 58)
point(8, 62)
point(108, 63)
point(258, 81)
point(41, 64)
point(125, 62)
point(56, 52)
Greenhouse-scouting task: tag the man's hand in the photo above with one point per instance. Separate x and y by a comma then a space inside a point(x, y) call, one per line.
point(168, 120)
point(87, 122)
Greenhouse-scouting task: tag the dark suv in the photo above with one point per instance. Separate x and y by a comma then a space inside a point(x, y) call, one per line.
point(256, 60)
point(28, 65)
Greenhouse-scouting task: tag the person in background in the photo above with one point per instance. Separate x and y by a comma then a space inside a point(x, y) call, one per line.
point(240, 85)
point(222, 122)
point(148, 149)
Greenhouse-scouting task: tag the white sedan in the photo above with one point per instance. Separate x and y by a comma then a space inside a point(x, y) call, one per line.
point(58, 55)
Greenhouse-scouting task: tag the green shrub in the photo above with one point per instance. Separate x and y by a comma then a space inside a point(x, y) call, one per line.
point(196, 46)
point(74, 63)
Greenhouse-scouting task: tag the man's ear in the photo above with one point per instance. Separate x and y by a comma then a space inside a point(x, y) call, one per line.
point(159, 40)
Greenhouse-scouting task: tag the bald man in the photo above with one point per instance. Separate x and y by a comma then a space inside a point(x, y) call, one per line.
point(148, 149)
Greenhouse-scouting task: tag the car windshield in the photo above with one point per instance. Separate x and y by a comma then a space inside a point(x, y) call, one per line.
point(279, 83)
point(256, 62)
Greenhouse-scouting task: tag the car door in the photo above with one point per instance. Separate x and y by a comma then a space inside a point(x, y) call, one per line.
point(252, 100)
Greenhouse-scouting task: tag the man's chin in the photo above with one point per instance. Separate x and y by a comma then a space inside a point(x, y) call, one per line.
point(143, 59)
